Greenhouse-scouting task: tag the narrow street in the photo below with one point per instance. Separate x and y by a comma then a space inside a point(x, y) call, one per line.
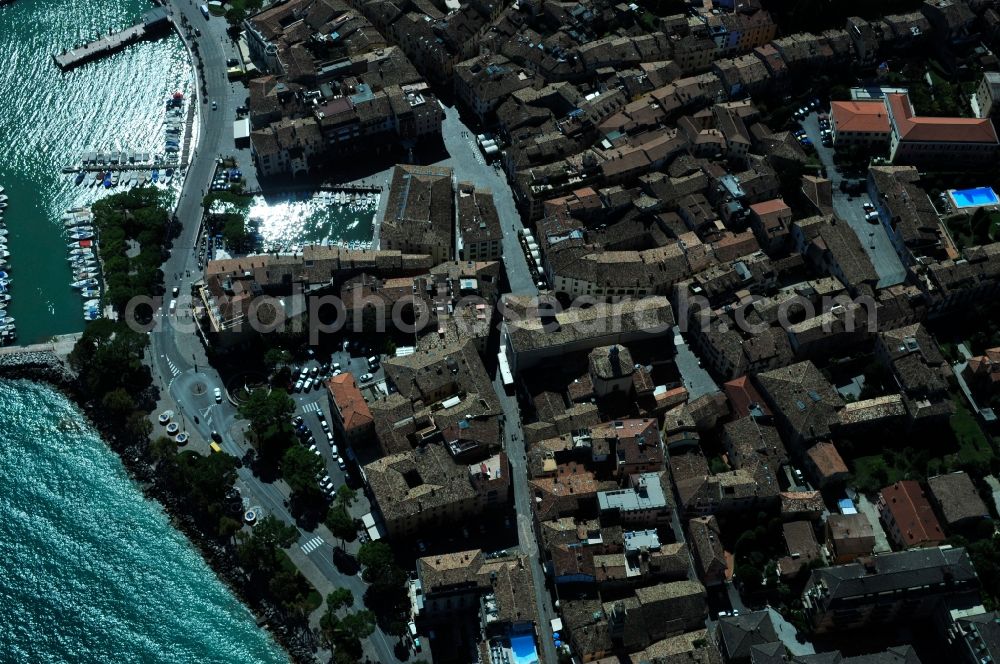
point(873, 237)
point(470, 166)
point(514, 445)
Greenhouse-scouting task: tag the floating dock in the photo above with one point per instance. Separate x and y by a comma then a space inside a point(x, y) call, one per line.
point(154, 22)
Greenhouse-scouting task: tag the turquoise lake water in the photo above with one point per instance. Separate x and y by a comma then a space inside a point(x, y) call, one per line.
point(93, 572)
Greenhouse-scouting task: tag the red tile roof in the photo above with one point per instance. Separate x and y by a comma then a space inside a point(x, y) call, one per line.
point(942, 130)
point(867, 116)
point(912, 512)
point(770, 207)
point(743, 397)
point(354, 411)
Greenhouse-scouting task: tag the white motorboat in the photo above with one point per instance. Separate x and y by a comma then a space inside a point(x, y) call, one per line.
point(90, 304)
point(3, 198)
point(81, 235)
point(83, 283)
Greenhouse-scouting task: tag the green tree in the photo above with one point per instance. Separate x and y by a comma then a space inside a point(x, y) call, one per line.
point(359, 625)
point(275, 357)
point(377, 559)
point(299, 468)
point(269, 413)
point(163, 450)
point(118, 404)
point(341, 598)
point(137, 426)
point(259, 549)
point(750, 577)
point(341, 524)
point(346, 496)
point(109, 356)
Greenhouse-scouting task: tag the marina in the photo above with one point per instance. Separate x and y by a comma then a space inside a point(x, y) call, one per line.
point(117, 103)
point(333, 217)
point(82, 252)
point(8, 331)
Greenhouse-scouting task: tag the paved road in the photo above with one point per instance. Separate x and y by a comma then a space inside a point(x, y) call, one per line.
point(788, 635)
point(696, 379)
point(866, 507)
point(467, 160)
point(874, 237)
point(178, 359)
point(514, 444)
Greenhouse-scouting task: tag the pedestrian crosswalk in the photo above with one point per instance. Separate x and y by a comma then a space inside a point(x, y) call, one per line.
point(173, 368)
point(312, 545)
point(311, 407)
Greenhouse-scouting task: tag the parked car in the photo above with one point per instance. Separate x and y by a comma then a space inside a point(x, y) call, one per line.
point(218, 395)
point(298, 386)
point(334, 452)
point(341, 463)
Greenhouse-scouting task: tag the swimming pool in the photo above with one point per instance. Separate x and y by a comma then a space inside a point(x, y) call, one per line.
point(969, 198)
point(523, 646)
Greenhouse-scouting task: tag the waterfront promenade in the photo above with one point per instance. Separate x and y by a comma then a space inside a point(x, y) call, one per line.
point(177, 357)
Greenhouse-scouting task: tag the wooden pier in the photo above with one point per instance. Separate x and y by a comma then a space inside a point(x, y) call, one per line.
point(153, 23)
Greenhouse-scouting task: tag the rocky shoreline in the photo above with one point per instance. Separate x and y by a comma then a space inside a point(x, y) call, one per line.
point(46, 367)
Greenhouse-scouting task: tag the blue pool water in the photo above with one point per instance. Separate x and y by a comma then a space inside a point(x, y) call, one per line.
point(965, 198)
point(524, 649)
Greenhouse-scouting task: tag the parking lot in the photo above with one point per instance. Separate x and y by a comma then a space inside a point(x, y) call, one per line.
point(851, 208)
point(314, 424)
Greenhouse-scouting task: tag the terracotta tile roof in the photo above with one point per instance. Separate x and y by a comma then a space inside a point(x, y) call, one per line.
point(827, 460)
point(912, 512)
point(354, 411)
point(744, 398)
point(769, 207)
point(944, 130)
point(867, 116)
